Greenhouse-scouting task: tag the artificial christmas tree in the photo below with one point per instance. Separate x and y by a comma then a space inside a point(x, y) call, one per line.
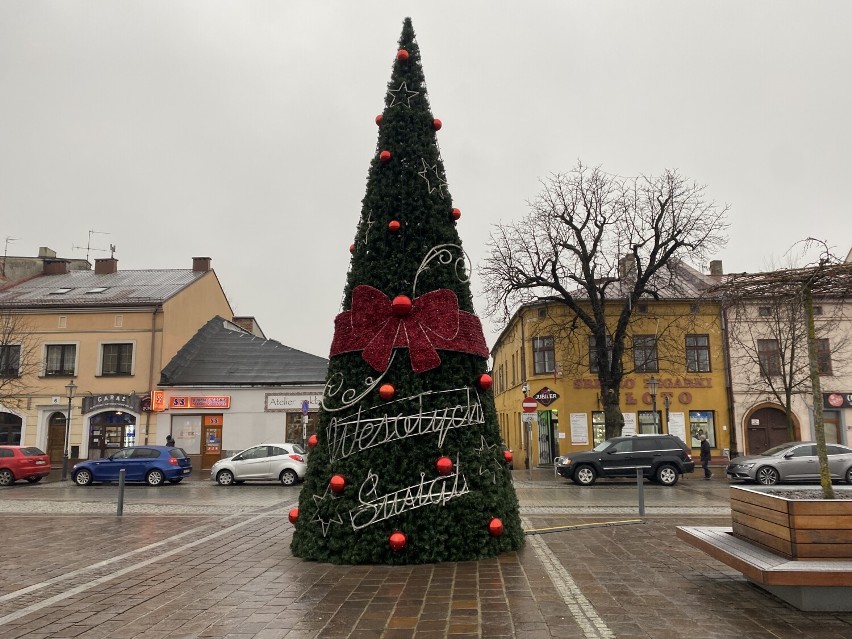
point(407, 465)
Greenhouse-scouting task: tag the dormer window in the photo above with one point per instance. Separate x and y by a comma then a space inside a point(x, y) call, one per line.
point(60, 291)
point(97, 289)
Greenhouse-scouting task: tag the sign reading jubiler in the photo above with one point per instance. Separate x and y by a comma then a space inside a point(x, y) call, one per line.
point(208, 401)
point(546, 397)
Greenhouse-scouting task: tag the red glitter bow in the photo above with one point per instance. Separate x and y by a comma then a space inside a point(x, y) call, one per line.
point(434, 322)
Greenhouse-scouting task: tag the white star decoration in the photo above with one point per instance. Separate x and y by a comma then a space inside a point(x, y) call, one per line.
point(334, 519)
point(368, 223)
point(488, 460)
point(402, 95)
point(434, 181)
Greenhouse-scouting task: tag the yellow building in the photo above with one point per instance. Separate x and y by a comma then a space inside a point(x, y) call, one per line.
point(102, 336)
point(675, 344)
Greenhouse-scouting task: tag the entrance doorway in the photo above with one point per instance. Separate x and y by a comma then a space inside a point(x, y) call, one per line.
point(831, 425)
point(767, 427)
point(56, 439)
point(548, 445)
point(211, 440)
point(109, 432)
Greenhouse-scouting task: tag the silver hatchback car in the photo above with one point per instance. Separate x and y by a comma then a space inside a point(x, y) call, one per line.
point(286, 463)
point(793, 461)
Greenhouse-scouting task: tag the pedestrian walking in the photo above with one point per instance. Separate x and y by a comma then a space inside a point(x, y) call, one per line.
point(170, 441)
point(705, 456)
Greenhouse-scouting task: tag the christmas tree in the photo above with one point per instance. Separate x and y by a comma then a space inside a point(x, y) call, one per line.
point(407, 465)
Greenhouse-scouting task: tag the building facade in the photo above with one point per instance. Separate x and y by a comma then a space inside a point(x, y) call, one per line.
point(93, 343)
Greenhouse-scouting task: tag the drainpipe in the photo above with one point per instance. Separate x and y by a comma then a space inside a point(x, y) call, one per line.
point(151, 370)
point(729, 384)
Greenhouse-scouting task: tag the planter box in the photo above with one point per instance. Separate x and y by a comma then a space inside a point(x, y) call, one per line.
point(793, 527)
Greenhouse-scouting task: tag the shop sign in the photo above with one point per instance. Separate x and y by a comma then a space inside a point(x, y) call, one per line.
point(206, 401)
point(837, 400)
point(158, 401)
point(546, 397)
point(129, 401)
point(283, 402)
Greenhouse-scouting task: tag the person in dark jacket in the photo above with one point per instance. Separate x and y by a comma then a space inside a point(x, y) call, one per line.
point(705, 457)
point(170, 441)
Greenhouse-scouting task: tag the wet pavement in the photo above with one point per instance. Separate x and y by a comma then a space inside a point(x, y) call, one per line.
point(199, 560)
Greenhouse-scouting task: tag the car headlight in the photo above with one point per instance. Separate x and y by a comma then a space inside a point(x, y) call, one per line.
point(566, 461)
point(751, 465)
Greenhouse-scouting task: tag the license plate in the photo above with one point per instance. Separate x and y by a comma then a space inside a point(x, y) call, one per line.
point(40, 462)
point(186, 471)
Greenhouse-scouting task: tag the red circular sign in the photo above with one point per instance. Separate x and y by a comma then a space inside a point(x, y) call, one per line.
point(835, 400)
point(529, 405)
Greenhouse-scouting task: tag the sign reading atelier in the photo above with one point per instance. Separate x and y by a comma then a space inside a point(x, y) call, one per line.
point(546, 397)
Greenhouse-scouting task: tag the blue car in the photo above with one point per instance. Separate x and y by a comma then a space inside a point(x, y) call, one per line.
point(149, 464)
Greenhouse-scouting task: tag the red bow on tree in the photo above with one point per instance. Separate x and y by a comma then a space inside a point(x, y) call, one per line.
point(434, 321)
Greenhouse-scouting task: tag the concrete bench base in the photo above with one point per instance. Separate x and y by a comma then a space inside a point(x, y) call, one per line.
point(812, 585)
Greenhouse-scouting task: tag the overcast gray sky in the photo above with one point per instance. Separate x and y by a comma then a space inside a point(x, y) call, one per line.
point(243, 130)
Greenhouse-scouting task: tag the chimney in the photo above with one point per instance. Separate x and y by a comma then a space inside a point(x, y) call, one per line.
point(56, 267)
point(200, 264)
point(44, 251)
point(626, 266)
point(716, 267)
point(105, 265)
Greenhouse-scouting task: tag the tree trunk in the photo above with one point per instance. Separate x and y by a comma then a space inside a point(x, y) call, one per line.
point(816, 395)
point(612, 412)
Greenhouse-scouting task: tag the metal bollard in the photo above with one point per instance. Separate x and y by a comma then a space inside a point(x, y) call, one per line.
point(640, 486)
point(121, 474)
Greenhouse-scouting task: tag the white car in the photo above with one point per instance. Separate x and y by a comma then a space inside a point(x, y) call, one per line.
point(286, 463)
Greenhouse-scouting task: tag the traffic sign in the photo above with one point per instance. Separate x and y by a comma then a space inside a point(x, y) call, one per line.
point(528, 418)
point(305, 406)
point(529, 405)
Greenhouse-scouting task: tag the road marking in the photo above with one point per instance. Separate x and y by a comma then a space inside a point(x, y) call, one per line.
point(106, 578)
point(581, 608)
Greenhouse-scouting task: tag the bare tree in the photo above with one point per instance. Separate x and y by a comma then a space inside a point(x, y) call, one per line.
point(597, 244)
point(795, 289)
point(18, 359)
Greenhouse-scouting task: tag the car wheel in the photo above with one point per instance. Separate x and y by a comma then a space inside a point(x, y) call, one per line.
point(176, 481)
point(849, 475)
point(585, 475)
point(6, 477)
point(667, 475)
point(288, 477)
point(225, 478)
point(83, 477)
point(33, 480)
point(154, 477)
point(766, 475)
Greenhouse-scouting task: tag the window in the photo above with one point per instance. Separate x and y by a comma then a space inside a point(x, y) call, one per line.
point(10, 360)
point(769, 357)
point(642, 308)
point(598, 427)
point(824, 357)
point(60, 359)
point(764, 311)
point(116, 359)
point(544, 357)
point(593, 360)
point(649, 423)
point(701, 423)
point(645, 353)
point(698, 353)
point(501, 378)
point(817, 310)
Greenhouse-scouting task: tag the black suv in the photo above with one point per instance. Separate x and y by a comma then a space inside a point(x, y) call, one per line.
point(663, 458)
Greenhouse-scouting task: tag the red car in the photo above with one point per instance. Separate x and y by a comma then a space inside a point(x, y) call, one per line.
point(22, 462)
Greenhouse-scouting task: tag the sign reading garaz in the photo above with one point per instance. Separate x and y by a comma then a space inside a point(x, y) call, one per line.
point(546, 397)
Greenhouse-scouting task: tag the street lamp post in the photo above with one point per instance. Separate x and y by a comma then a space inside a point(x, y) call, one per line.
point(70, 387)
point(653, 385)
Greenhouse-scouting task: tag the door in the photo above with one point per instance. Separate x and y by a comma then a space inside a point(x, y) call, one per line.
point(767, 428)
point(545, 441)
point(253, 463)
point(56, 438)
point(211, 441)
point(800, 463)
point(618, 460)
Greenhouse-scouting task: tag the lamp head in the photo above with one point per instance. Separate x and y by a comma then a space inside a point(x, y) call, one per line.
point(70, 387)
point(653, 385)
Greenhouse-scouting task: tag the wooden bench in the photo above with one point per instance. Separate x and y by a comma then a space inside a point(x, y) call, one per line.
point(807, 584)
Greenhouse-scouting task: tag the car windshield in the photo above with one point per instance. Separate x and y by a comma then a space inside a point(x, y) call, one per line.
point(779, 449)
point(602, 446)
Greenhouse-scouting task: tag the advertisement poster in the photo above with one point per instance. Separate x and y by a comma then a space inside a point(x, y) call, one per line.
point(629, 424)
point(677, 425)
point(579, 428)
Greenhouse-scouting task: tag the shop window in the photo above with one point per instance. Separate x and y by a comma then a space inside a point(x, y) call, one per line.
point(60, 359)
point(702, 422)
point(824, 357)
point(593, 360)
point(649, 423)
point(116, 359)
point(10, 360)
point(698, 353)
point(544, 356)
point(769, 356)
point(598, 427)
point(645, 354)
point(10, 429)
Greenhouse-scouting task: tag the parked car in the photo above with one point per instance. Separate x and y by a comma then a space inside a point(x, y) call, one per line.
point(662, 458)
point(793, 461)
point(22, 462)
point(152, 465)
point(286, 463)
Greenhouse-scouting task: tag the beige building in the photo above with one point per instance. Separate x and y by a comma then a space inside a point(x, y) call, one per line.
point(102, 335)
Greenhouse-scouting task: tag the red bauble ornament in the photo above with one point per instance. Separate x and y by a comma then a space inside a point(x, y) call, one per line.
point(444, 465)
point(456, 214)
point(385, 156)
point(379, 119)
point(394, 225)
point(397, 541)
point(495, 527)
point(401, 305)
point(387, 391)
point(337, 484)
point(351, 248)
point(312, 441)
point(484, 382)
point(437, 124)
point(507, 455)
point(402, 55)
point(293, 515)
